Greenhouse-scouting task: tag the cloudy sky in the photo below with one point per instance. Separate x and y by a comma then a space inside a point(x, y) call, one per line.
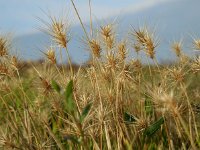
point(19, 16)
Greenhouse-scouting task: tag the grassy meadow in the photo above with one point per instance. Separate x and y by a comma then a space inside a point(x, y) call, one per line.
point(111, 102)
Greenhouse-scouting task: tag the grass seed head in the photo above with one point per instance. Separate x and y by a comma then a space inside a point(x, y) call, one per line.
point(50, 54)
point(111, 61)
point(150, 47)
point(140, 35)
point(108, 35)
point(196, 44)
point(110, 42)
point(4, 69)
point(59, 33)
point(166, 103)
point(137, 65)
point(145, 39)
point(106, 31)
point(122, 50)
point(196, 65)
point(137, 47)
point(95, 47)
point(58, 29)
point(15, 62)
point(106, 74)
point(3, 46)
point(177, 74)
point(142, 124)
point(177, 48)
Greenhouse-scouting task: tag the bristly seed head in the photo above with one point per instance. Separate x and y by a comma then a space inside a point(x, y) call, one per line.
point(150, 47)
point(177, 74)
point(14, 62)
point(95, 47)
point(59, 33)
point(111, 61)
point(58, 29)
point(122, 50)
point(50, 54)
point(3, 47)
point(196, 44)
point(4, 69)
point(106, 31)
point(140, 36)
point(177, 47)
point(137, 65)
point(108, 36)
point(145, 41)
point(196, 65)
point(141, 124)
point(110, 42)
point(166, 103)
point(137, 47)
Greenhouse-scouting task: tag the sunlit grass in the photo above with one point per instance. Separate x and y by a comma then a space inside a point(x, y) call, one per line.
point(113, 102)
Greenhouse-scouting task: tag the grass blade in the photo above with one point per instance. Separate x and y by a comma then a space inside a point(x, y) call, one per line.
point(85, 112)
point(56, 86)
point(154, 127)
point(69, 97)
point(128, 118)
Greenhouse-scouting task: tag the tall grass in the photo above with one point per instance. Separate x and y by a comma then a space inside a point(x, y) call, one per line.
point(111, 103)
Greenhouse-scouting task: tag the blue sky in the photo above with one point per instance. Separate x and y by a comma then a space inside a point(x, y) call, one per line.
point(19, 16)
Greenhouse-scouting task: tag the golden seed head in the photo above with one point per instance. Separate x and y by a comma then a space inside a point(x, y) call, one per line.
point(184, 59)
point(165, 102)
point(91, 73)
point(125, 74)
point(150, 47)
point(3, 46)
point(14, 62)
point(137, 65)
point(4, 69)
point(96, 48)
point(110, 42)
point(58, 29)
point(106, 31)
point(108, 36)
point(141, 124)
point(145, 41)
point(111, 61)
point(106, 74)
point(140, 36)
point(51, 56)
point(59, 33)
point(177, 48)
point(177, 74)
point(122, 50)
point(196, 65)
point(137, 47)
point(196, 44)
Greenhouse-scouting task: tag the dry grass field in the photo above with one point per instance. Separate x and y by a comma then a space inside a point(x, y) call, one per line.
point(111, 102)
